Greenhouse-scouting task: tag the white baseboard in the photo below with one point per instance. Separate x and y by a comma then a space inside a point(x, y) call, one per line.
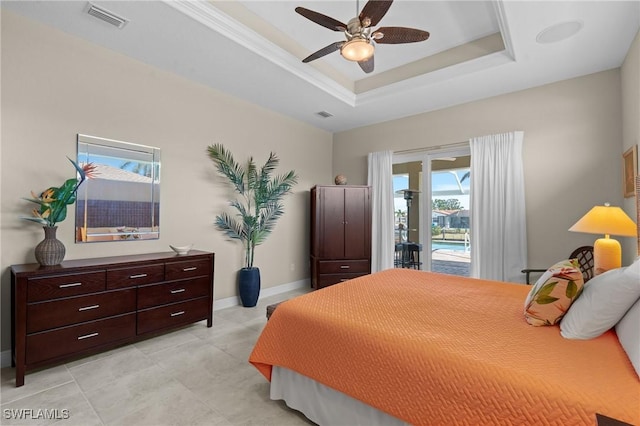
point(265, 292)
point(5, 359)
point(5, 356)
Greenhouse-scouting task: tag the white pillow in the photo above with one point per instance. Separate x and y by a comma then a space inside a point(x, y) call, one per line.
point(634, 268)
point(604, 300)
point(628, 330)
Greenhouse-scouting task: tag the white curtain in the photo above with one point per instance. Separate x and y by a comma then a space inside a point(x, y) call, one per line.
point(381, 181)
point(498, 217)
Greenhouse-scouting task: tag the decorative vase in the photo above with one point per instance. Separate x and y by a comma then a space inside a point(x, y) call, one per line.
point(340, 180)
point(50, 251)
point(249, 286)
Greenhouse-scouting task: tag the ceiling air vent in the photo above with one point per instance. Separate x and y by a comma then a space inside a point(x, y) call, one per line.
point(324, 114)
point(106, 16)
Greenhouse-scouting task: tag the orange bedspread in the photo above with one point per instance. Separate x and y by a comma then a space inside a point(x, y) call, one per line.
point(436, 349)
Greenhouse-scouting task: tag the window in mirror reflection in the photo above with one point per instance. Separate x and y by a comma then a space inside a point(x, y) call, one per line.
point(121, 202)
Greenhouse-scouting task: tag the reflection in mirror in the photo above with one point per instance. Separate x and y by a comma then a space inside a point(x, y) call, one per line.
point(121, 200)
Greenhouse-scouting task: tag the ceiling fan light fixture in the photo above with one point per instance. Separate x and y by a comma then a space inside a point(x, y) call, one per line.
point(359, 46)
point(357, 49)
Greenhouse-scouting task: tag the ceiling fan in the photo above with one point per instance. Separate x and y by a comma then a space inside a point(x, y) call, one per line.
point(359, 46)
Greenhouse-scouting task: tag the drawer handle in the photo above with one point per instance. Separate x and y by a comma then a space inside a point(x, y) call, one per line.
point(86, 336)
point(192, 268)
point(138, 276)
point(345, 266)
point(176, 314)
point(88, 308)
point(180, 290)
point(69, 285)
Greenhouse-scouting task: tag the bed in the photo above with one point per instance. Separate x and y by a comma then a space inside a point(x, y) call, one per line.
point(412, 347)
point(428, 348)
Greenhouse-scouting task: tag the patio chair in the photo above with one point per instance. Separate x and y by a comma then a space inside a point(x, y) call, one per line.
point(584, 255)
point(411, 257)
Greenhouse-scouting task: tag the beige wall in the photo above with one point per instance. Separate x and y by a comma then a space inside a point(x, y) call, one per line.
point(55, 86)
point(572, 151)
point(630, 77)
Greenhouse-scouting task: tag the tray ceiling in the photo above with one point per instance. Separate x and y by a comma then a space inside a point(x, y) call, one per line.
point(253, 50)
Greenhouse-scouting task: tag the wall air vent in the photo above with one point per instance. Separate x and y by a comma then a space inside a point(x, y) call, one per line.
point(324, 114)
point(106, 16)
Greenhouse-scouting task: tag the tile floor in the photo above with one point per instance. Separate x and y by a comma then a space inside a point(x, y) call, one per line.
point(193, 376)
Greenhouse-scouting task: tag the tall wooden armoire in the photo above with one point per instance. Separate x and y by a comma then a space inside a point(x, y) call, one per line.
point(340, 233)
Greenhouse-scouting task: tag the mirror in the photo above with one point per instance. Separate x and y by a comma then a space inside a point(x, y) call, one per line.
point(121, 199)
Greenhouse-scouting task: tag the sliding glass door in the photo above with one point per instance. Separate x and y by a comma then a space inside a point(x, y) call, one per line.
point(431, 201)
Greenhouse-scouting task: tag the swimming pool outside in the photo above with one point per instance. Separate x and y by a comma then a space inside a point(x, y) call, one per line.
point(449, 245)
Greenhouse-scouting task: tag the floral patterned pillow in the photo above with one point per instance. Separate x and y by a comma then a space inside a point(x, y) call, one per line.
point(553, 294)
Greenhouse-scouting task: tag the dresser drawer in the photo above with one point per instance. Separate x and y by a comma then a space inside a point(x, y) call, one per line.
point(173, 291)
point(325, 280)
point(137, 275)
point(73, 310)
point(343, 266)
point(46, 288)
point(173, 315)
point(187, 269)
point(68, 340)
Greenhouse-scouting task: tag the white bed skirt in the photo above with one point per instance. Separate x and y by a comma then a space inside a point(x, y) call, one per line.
point(323, 405)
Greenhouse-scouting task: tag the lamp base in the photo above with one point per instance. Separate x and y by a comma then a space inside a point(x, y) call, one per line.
point(607, 255)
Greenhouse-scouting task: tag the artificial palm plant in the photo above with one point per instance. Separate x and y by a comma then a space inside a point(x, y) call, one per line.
point(260, 203)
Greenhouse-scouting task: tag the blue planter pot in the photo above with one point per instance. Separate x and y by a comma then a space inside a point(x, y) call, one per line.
point(249, 286)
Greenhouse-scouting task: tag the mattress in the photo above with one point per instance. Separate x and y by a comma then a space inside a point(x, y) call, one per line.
point(434, 349)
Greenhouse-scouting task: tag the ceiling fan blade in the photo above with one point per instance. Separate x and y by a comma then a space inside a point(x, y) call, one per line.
point(321, 19)
point(373, 11)
point(398, 35)
point(324, 51)
point(367, 65)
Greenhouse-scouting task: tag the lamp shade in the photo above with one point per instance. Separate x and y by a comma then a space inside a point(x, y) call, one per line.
point(606, 220)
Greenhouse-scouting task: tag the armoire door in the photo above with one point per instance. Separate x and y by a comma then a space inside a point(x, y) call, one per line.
point(357, 223)
point(331, 223)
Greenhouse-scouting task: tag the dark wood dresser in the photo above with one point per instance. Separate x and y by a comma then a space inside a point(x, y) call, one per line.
point(340, 233)
point(90, 305)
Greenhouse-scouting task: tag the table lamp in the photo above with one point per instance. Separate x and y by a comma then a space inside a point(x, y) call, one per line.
point(607, 220)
